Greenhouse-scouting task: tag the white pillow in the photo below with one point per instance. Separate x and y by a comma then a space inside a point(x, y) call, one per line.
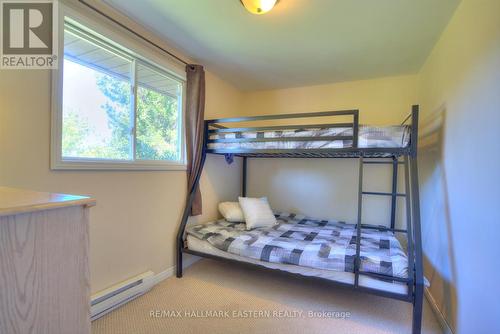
point(257, 212)
point(231, 211)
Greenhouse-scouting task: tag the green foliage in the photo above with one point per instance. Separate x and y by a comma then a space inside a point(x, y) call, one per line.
point(75, 131)
point(156, 126)
point(156, 118)
point(117, 108)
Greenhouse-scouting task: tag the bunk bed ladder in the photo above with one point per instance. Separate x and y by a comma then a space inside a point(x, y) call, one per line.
point(415, 292)
point(393, 194)
point(394, 191)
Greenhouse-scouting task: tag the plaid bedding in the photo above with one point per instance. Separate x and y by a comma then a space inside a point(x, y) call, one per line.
point(297, 240)
point(369, 136)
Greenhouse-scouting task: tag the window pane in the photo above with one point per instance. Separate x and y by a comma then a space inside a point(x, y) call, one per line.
point(97, 119)
point(158, 133)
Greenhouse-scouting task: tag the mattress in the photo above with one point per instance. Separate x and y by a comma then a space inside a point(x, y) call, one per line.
point(307, 242)
point(203, 246)
point(368, 137)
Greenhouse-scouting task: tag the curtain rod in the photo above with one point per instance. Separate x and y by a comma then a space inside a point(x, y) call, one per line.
point(133, 32)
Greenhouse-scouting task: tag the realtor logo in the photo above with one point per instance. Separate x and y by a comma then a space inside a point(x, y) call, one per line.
point(28, 34)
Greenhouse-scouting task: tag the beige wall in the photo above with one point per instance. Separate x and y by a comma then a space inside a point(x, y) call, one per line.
point(460, 175)
point(328, 187)
point(137, 213)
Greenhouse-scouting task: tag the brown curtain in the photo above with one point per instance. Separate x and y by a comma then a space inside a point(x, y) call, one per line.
point(195, 115)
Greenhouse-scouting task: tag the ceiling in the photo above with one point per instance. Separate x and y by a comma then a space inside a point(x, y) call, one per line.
point(300, 42)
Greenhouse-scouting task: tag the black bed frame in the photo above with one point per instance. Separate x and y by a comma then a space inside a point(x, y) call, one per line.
point(407, 156)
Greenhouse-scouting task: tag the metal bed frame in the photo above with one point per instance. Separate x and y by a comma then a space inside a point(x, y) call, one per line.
point(365, 156)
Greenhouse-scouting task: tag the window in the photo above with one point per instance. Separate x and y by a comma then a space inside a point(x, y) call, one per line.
point(117, 109)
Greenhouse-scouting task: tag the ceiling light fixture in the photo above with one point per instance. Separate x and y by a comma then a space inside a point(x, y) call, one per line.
point(259, 6)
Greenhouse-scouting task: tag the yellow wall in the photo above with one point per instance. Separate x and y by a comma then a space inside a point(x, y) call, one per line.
point(380, 101)
point(132, 227)
point(460, 175)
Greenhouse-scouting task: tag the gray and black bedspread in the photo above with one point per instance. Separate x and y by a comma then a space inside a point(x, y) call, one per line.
point(297, 240)
point(369, 137)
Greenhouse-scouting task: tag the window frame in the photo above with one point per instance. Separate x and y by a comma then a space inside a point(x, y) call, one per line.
point(117, 43)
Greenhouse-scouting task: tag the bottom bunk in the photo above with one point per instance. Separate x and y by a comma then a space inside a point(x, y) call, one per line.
point(324, 249)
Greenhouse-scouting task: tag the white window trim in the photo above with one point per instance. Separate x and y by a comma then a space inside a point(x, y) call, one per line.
point(153, 58)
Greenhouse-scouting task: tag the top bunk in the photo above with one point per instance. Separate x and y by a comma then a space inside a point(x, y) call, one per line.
point(336, 134)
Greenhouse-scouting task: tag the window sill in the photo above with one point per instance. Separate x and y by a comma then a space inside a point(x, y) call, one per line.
point(117, 165)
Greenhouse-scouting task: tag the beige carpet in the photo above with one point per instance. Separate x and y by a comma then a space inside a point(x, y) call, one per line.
point(215, 297)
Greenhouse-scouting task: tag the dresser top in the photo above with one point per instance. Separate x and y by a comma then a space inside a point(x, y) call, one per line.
point(14, 201)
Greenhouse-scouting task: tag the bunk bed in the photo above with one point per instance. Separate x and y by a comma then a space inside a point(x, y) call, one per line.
point(371, 258)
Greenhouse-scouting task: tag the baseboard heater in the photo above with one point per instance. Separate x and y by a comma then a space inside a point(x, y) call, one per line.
point(107, 300)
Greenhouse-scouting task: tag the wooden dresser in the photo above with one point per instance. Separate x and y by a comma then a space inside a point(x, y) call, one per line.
point(44, 266)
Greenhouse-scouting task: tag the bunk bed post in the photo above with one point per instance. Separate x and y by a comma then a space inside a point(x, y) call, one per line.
point(180, 233)
point(244, 178)
point(355, 128)
point(409, 229)
point(357, 260)
point(419, 275)
point(189, 203)
point(394, 190)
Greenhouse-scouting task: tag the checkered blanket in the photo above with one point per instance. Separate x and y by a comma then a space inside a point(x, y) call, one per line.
point(298, 240)
point(369, 136)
